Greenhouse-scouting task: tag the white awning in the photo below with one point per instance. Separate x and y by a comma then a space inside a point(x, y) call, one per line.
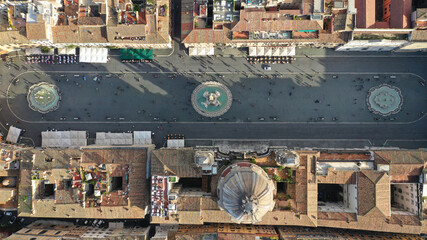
point(201, 51)
point(106, 139)
point(268, 51)
point(276, 52)
point(33, 51)
point(142, 137)
point(93, 55)
point(210, 51)
point(66, 51)
point(64, 139)
point(260, 51)
point(175, 143)
point(13, 134)
point(252, 51)
point(291, 51)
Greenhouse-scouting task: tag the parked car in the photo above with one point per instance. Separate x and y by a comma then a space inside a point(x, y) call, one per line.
point(267, 68)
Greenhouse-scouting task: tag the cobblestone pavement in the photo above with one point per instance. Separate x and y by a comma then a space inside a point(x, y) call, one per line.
point(298, 122)
point(142, 97)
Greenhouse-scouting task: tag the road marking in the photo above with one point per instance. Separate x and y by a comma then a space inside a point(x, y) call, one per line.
point(404, 140)
point(277, 139)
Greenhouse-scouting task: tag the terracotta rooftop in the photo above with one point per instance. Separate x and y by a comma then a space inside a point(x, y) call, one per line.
point(343, 216)
point(261, 20)
point(65, 34)
point(65, 204)
point(344, 156)
point(373, 194)
point(405, 165)
point(179, 162)
point(136, 30)
point(290, 232)
point(338, 177)
point(36, 31)
point(92, 34)
point(91, 21)
point(403, 156)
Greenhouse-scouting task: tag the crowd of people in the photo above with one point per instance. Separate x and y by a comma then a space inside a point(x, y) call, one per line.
point(52, 59)
point(272, 60)
point(137, 60)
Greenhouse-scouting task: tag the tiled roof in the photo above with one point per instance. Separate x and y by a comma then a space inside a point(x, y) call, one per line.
point(71, 10)
point(60, 158)
point(403, 156)
point(405, 219)
point(179, 162)
point(338, 177)
point(65, 34)
point(91, 21)
point(92, 34)
point(261, 20)
point(343, 216)
point(36, 31)
point(373, 194)
point(344, 156)
point(12, 37)
point(65, 204)
point(405, 165)
point(136, 30)
point(208, 36)
point(189, 204)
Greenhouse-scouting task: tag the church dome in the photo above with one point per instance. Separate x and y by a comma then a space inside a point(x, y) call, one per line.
point(245, 192)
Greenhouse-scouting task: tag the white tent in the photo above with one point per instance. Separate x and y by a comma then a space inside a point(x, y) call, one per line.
point(201, 51)
point(192, 51)
point(268, 51)
point(106, 139)
point(13, 134)
point(64, 139)
point(252, 51)
point(33, 51)
point(276, 52)
point(142, 137)
point(210, 51)
point(175, 143)
point(284, 51)
point(291, 51)
point(93, 55)
point(260, 51)
point(66, 51)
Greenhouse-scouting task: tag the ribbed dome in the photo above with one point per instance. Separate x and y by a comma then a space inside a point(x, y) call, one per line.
point(246, 192)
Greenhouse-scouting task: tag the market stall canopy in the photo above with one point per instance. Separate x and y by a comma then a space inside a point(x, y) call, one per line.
point(93, 55)
point(175, 143)
point(142, 137)
point(64, 139)
point(13, 134)
point(271, 51)
point(136, 54)
point(201, 51)
point(107, 138)
point(66, 51)
point(33, 51)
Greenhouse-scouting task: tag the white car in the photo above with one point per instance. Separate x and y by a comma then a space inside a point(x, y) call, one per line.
point(267, 68)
